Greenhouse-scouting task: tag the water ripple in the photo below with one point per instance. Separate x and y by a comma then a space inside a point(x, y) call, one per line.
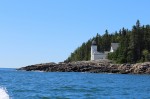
point(41, 85)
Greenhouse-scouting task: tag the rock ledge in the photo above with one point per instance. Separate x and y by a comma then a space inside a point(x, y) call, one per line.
point(100, 66)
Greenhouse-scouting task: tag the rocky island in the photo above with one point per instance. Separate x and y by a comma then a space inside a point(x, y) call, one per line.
point(125, 46)
point(99, 66)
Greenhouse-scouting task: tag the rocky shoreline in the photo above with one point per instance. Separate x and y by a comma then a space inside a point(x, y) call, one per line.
point(100, 66)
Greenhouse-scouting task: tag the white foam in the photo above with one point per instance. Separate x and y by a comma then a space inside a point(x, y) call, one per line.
point(3, 93)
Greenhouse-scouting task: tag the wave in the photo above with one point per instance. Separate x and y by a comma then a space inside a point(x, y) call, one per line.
point(3, 93)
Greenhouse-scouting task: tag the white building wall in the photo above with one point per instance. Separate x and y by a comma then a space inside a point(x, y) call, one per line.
point(97, 56)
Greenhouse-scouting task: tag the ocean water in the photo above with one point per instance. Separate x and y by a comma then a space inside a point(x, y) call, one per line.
point(70, 85)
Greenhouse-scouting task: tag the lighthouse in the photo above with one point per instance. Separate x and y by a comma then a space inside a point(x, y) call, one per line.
point(95, 55)
point(93, 49)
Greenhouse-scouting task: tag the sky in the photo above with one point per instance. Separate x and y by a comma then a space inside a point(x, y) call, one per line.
point(40, 31)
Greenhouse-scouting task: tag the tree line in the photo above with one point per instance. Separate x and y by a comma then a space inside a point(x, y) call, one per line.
point(134, 45)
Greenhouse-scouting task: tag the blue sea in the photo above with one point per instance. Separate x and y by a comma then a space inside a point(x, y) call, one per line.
point(72, 85)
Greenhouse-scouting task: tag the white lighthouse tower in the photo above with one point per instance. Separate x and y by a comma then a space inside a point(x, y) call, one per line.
point(93, 50)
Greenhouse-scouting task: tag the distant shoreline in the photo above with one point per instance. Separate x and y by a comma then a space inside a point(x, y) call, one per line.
point(101, 66)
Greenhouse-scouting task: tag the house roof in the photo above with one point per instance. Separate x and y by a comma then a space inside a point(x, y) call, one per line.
point(114, 45)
